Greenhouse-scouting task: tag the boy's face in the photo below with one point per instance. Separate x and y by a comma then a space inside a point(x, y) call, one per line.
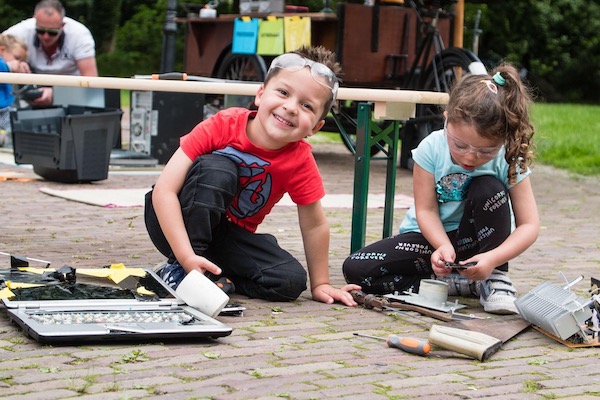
point(16, 53)
point(290, 107)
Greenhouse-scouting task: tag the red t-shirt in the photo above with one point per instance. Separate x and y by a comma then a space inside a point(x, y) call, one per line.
point(265, 175)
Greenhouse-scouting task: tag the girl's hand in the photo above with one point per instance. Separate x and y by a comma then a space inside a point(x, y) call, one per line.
point(480, 271)
point(439, 257)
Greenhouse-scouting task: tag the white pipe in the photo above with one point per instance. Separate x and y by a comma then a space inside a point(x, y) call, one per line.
point(242, 88)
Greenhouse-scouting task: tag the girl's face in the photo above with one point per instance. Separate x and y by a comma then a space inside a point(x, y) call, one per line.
point(467, 147)
point(289, 108)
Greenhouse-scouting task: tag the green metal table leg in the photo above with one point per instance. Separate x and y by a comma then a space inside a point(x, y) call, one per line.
point(368, 135)
point(362, 159)
point(390, 179)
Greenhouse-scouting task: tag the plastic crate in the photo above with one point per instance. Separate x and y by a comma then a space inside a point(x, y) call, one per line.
point(66, 144)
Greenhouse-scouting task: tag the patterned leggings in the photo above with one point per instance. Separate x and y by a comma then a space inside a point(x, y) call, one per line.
point(398, 263)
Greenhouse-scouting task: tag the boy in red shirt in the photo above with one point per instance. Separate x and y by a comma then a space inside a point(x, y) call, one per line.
point(230, 171)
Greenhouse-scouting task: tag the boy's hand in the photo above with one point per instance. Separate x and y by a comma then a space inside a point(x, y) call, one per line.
point(200, 263)
point(328, 294)
point(18, 66)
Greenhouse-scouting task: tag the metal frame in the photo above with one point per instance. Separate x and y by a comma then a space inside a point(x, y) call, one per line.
point(368, 135)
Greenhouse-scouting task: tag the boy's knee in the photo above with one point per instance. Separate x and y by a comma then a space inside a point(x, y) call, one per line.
point(214, 171)
point(289, 283)
point(212, 181)
point(282, 283)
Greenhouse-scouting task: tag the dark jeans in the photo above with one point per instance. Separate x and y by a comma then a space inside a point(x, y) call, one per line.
point(255, 263)
point(398, 263)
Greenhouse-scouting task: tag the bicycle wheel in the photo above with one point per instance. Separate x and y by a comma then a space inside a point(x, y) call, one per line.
point(242, 67)
point(442, 72)
point(346, 116)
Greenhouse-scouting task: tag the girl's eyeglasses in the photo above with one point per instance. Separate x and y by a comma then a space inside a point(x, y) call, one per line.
point(320, 72)
point(463, 148)
point(49, 31)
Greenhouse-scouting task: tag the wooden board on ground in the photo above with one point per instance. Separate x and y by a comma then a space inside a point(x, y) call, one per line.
point(503, 328)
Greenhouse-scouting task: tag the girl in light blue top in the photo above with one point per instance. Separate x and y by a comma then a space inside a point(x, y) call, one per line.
point(474, 205)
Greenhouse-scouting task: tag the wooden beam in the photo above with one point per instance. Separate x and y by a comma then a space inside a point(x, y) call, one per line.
point(459, 22)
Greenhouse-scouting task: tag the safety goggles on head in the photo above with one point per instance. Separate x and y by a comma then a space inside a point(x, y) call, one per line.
point(463, 148)
point(320, 72)
point(49, 31)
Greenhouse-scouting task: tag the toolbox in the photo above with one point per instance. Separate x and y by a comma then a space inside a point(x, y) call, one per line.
point(68, 306)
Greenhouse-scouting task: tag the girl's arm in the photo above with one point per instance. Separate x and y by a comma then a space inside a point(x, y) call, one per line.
point(168, 211)
point(428, 218)
point(527, 226)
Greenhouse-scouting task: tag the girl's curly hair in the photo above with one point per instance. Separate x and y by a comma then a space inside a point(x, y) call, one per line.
point(497, 111)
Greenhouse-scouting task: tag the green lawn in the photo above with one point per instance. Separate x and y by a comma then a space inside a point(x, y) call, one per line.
point(568, 136)
point(125, 99)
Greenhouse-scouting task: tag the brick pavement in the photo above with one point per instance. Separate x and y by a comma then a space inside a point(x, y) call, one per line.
point(298, 350)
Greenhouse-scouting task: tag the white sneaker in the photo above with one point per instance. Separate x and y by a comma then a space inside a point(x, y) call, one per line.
point(458, 285)
point(498, 295)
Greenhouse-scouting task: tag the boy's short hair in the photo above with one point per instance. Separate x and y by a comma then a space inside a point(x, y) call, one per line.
point(317, 54)
point(10, 41)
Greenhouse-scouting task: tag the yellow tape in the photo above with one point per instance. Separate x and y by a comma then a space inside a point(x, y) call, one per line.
point(144, 292)
point(38, 271)
point(6, 294)
point(22, 285)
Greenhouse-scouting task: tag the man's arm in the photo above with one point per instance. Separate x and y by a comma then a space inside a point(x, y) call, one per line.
point(87, 66)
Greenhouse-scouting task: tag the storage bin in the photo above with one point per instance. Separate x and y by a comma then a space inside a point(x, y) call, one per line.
point(65, 144)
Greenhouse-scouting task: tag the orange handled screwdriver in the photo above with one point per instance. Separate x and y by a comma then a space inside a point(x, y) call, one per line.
point(416, 346)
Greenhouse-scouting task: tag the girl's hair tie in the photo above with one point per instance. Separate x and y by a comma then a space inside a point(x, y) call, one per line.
point(499, 79)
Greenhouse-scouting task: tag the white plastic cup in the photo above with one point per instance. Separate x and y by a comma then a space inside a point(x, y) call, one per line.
point(433, 291)
point(201, 293)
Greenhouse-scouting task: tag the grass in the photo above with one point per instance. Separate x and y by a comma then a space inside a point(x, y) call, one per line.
point(125, 99)
point(567, 137)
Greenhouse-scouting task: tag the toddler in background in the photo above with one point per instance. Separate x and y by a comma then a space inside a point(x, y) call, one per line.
point(13, 52)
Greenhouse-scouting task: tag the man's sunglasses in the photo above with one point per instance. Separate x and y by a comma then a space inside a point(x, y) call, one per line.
point(49, 31)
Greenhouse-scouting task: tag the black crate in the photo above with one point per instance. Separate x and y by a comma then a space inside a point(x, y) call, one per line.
point(66, 144)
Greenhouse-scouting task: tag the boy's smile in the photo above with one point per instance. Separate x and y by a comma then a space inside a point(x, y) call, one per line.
point(289, 109)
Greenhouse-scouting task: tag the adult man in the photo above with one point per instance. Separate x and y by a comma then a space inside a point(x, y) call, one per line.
point(57, 44)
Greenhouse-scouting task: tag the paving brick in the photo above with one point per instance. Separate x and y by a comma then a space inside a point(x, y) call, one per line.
point(307, 351)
